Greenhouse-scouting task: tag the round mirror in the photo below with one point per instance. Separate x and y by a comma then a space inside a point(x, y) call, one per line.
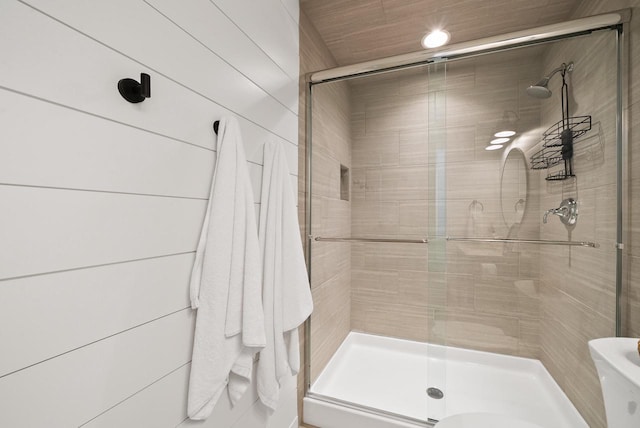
point(513, 187)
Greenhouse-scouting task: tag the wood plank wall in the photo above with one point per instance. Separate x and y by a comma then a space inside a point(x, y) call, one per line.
point(103, 200)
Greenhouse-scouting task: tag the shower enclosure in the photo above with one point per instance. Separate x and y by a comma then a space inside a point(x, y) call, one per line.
point(463, 235)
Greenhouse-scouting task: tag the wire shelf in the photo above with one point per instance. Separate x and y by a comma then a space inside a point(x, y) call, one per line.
point(557, 146)
point(546, 158)
point(579, 125)
point(559, 176)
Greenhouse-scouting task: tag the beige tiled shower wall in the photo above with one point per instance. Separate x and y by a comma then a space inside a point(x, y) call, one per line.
point(331, 262)
point(632, 112)
point(389, 293)
point(484, 296)
point(578, 285)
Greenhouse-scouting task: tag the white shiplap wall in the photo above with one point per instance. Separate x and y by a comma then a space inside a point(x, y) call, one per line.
point(102, 201)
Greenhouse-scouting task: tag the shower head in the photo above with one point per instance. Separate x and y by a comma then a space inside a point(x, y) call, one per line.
point(540, 89)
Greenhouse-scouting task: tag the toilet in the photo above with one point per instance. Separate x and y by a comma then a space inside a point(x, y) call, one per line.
point(618, 365)
point(484, 420)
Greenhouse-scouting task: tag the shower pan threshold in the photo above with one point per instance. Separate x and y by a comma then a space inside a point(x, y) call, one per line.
point(381, 382)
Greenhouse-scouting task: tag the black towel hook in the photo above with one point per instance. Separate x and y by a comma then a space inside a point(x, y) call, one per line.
point(133, 91)
point(216, 125)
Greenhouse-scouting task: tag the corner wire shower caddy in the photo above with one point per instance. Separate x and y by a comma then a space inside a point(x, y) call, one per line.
point(558, 139)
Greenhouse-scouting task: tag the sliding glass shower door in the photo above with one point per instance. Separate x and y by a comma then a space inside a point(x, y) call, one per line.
point(460, 221)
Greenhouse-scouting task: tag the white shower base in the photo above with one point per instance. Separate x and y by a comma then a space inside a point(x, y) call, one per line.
point(392, 376)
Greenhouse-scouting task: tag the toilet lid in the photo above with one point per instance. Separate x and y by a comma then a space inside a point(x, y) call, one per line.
point(484, 420)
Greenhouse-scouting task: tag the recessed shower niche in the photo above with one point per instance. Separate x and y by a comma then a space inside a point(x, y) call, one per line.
point(344, 183)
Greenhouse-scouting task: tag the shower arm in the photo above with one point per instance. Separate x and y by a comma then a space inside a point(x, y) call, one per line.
point(562, 68)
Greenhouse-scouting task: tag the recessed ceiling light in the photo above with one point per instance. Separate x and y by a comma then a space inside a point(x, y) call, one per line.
point(435, 39)
point(503, 134)
point(499, 141)
point(494, 147)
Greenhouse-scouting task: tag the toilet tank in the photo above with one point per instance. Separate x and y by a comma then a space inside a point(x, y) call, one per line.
point(618, 365)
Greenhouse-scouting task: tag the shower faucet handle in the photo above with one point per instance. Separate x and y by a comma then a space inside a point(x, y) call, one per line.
point(567, 211)
point(555, 211)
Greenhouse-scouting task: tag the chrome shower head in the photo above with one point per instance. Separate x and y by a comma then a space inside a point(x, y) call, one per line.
point(541, 89)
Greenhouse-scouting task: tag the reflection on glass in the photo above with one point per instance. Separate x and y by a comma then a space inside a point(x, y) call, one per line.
point(513, 188)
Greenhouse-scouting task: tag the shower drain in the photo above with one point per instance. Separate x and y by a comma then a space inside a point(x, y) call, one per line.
point(435, 393)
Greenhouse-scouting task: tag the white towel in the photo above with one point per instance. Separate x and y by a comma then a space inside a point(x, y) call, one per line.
point(226, 283)
point(286, 295)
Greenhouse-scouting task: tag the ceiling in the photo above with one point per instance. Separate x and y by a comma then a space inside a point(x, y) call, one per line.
point(363, 30)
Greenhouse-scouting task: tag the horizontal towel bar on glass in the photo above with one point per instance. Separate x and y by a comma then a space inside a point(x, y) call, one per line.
point(528, 241)
point(386, 240)
point(449, 238)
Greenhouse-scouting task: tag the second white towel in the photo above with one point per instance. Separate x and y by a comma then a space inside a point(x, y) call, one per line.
point(286, 294)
